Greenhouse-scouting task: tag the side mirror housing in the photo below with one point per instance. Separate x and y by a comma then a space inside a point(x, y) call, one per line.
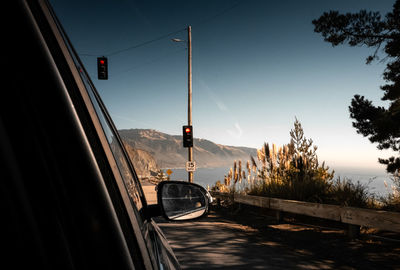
point(178, 200)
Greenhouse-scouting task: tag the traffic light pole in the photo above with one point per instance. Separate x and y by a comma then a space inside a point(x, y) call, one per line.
point(190, 149)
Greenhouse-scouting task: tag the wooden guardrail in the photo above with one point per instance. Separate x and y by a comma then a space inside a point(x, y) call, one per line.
point(383, 220)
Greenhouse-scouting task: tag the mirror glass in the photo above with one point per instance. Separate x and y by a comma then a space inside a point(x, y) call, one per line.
point(182, 201)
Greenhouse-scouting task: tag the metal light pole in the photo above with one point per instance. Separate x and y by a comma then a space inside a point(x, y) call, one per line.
point(189, 42)
point(190, 149)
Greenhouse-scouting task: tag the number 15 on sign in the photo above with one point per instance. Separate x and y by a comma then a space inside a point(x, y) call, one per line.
point(191, 166)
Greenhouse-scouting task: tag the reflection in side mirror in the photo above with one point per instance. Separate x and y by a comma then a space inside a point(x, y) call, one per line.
point(182, 200)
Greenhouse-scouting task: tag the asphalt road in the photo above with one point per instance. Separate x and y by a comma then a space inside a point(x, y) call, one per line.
point(215, 243)
point(244, 239)
point(221, 242)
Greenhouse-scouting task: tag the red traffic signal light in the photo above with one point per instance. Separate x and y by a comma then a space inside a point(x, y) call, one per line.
point(187, 136)
point(102, 68)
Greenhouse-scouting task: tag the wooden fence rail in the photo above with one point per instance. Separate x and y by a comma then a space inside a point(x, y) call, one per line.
point(383, 220)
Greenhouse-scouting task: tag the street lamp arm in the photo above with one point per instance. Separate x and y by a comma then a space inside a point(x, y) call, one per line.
point(178, 40)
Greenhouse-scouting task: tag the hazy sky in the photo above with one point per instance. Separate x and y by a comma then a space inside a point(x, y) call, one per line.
point(256, 66)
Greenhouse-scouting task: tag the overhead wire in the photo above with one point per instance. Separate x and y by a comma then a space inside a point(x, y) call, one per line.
point(145, 43)
point(206, 20)
point(222, 12)
point(166, 35)
point(136, 45)
point(146, 63)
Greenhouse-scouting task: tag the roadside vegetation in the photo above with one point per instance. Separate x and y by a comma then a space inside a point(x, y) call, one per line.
point(294, 172)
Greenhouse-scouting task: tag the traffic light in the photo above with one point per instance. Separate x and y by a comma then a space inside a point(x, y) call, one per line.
point(187, 136)
point(102, 68)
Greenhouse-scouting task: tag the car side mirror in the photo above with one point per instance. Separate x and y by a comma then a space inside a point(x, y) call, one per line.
point(179, 200)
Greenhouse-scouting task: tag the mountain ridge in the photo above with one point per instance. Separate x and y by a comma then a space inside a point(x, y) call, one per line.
point(168, 150)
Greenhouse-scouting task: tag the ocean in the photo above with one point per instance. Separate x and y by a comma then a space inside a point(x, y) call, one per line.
point(373, 178)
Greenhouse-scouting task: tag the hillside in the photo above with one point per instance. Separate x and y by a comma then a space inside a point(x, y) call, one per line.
point(144, 163)
point(168, 151)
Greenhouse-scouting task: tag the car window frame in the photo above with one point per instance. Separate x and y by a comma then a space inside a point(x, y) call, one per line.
point(137, 224)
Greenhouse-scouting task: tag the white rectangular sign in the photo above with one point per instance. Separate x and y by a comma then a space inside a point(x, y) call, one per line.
point(191, 166)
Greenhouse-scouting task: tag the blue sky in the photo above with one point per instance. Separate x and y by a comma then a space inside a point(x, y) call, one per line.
point(256, 66)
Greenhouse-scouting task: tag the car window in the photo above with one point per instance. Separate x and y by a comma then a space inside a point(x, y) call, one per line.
point(126, 170)
point(127, 175)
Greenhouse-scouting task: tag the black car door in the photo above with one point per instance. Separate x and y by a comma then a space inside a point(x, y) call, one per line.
point(124, 184)
point(60, 209)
